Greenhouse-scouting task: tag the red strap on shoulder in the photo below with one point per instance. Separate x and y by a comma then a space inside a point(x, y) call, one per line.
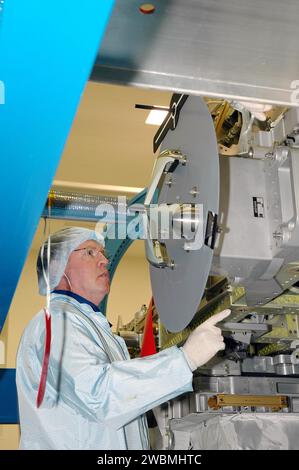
point(43, 378)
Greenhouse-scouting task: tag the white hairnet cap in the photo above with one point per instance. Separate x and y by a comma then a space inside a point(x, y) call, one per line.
point(62, 243)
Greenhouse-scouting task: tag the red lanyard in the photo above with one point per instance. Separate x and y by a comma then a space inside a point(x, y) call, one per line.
point(43, 378)
point(148, 342)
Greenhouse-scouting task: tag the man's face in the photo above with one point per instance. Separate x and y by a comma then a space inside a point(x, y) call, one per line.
point(87, 271)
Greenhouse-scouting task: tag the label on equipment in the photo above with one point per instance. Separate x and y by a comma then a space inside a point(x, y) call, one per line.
point(258, 207)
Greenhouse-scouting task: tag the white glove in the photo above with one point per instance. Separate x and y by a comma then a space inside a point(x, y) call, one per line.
point(205, 341)
point(257, 109)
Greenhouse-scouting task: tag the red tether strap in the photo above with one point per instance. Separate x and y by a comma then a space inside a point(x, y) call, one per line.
point(43, 378)
point(148, 342)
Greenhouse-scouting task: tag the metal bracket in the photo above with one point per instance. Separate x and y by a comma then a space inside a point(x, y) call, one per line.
point(295, 354)
point(211, 230)
point(166, 162)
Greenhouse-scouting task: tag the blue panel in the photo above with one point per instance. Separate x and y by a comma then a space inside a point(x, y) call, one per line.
point(47, 52)
point(8, 404)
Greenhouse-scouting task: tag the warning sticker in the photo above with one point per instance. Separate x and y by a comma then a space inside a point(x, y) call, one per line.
point(258, 207)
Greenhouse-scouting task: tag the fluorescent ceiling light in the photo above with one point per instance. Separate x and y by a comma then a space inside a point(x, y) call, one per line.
point(156, 117)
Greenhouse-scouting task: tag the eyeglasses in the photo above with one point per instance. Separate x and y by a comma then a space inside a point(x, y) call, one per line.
point(93, 252)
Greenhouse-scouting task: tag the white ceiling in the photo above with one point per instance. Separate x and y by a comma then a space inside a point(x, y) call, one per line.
point(109, 142)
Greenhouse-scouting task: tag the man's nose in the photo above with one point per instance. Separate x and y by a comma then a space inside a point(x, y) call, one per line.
point(102, 261)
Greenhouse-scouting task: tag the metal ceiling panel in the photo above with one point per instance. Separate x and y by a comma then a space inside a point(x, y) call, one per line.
point(227, 48)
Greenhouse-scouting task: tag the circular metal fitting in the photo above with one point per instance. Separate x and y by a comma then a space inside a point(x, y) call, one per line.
point(185, 221)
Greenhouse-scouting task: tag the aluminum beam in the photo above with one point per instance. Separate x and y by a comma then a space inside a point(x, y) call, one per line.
point(227, 48)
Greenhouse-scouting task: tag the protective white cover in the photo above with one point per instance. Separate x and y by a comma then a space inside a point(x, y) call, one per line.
point(244, 431)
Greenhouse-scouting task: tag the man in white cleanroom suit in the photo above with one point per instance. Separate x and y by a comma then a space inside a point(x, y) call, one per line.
point(87, 393)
